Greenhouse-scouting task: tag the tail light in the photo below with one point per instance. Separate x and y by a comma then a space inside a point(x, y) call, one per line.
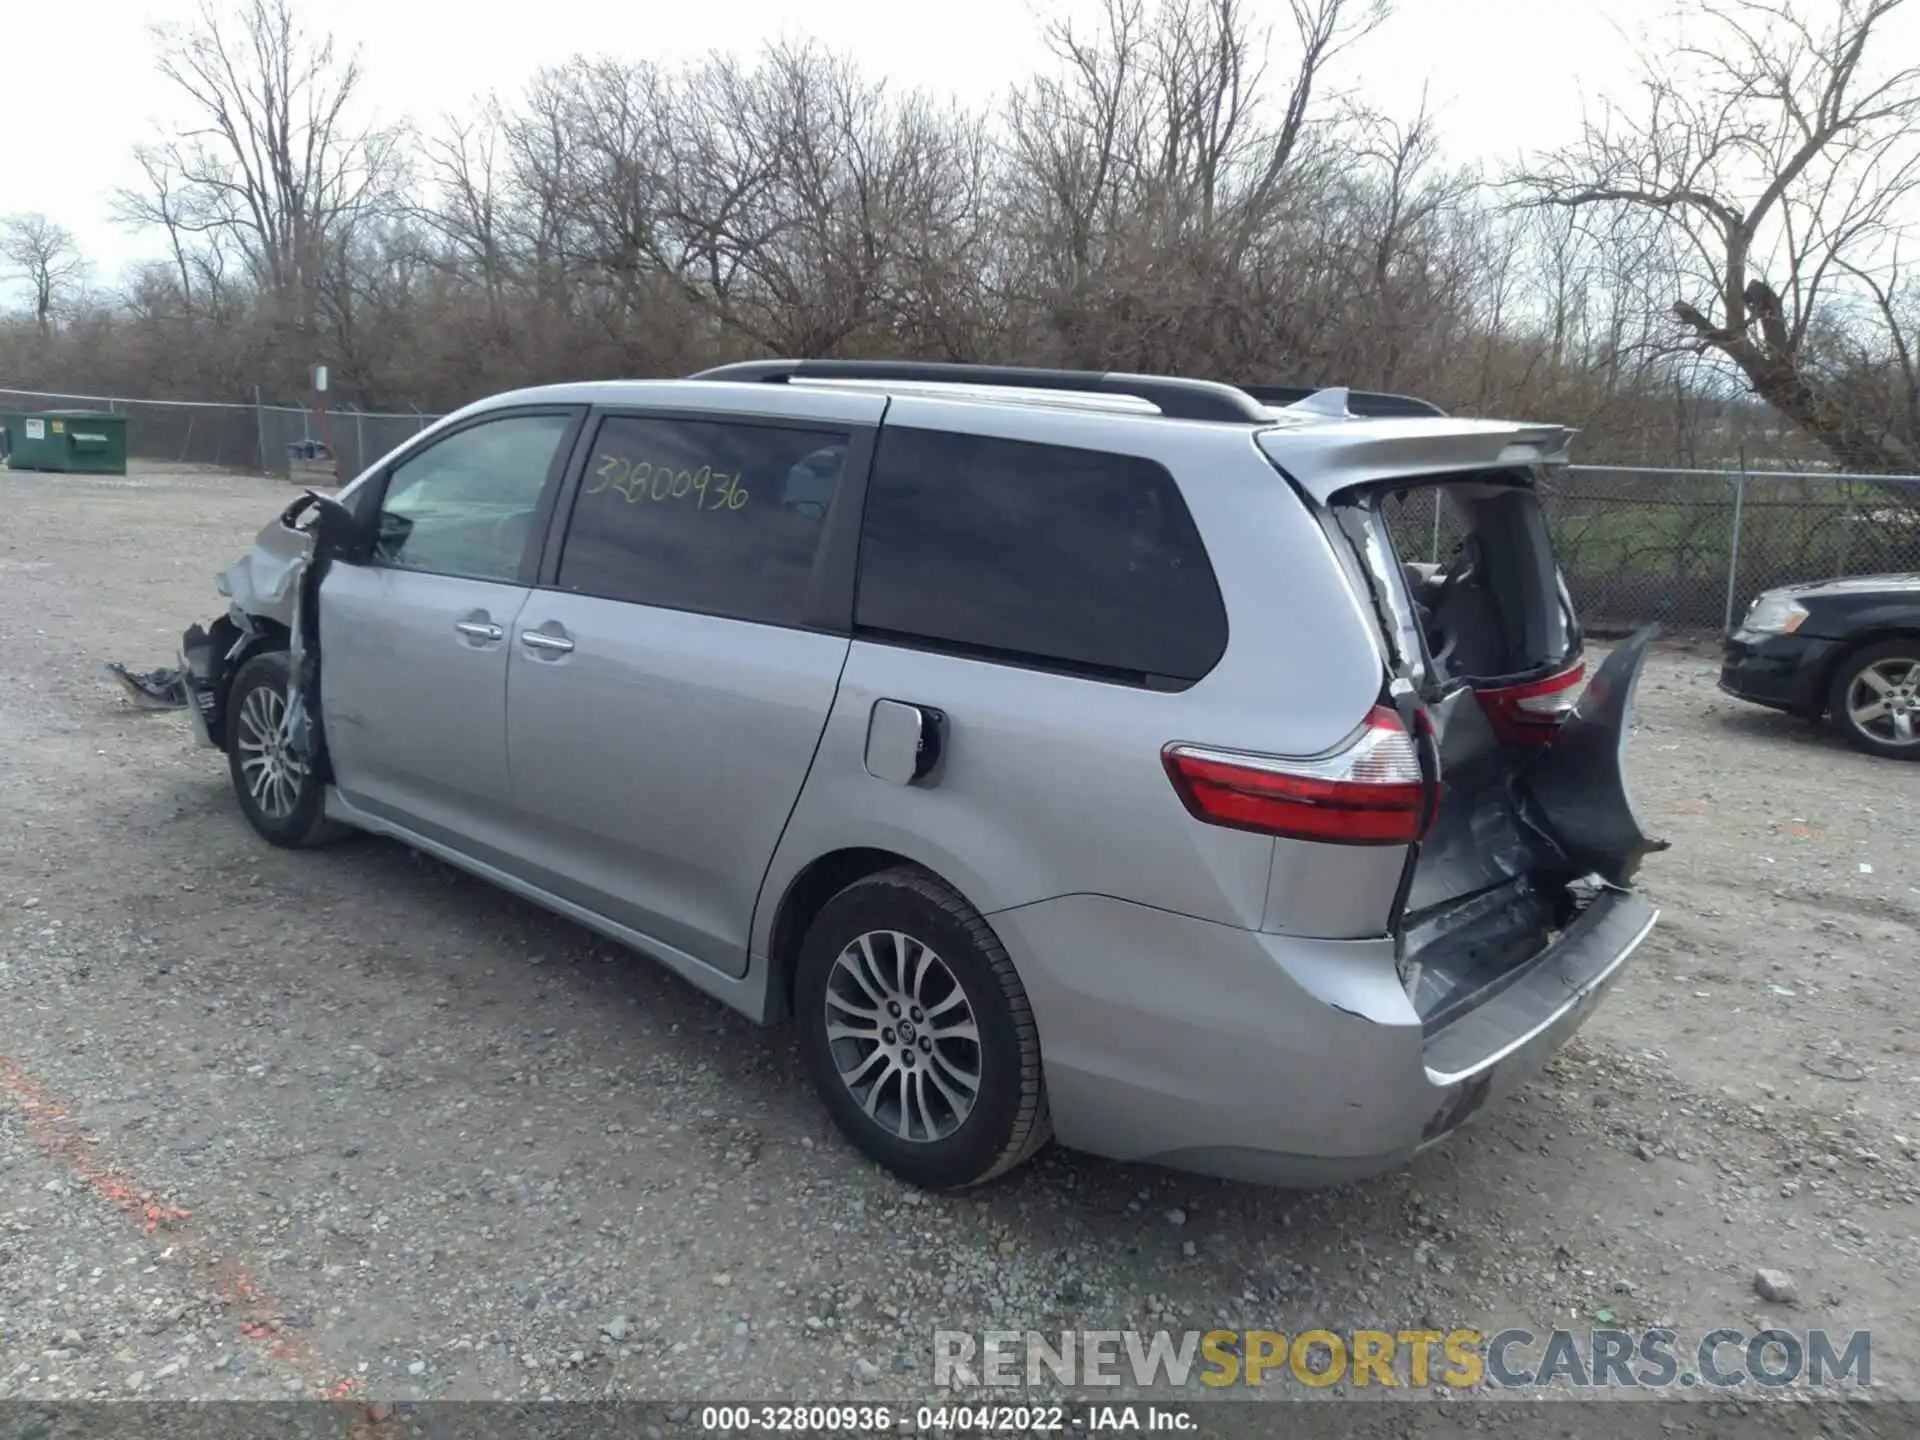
point(1531, 714)
point(1371, 793)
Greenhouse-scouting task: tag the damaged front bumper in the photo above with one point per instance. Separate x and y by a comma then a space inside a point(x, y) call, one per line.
point(209, 654)
point(198, 701)
point(203, 666)
point(267, 603)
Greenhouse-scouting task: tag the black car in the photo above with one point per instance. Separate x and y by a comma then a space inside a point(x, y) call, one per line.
point(1847, 649)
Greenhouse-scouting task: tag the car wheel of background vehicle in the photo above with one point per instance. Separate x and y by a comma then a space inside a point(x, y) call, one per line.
point(917, 1033)
point(1875, 702)
point(279, 792)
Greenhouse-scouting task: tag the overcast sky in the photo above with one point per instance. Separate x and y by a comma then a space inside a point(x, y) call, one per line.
point(80, 87)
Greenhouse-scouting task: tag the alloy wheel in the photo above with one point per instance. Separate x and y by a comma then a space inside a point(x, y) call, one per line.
point(903, 1035)
point(275, 774)
point(1884, 700)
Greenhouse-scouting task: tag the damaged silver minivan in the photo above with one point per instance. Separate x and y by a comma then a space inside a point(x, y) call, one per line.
point(1069, 754)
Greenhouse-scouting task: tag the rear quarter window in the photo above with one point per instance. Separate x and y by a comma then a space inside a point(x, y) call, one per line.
point(1045, 555)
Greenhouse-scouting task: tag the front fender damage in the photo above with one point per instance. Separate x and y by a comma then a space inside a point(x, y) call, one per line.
point(272, 594)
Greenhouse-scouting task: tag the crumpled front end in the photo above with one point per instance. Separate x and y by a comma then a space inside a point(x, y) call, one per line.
point(209, 655)
point(264, 593)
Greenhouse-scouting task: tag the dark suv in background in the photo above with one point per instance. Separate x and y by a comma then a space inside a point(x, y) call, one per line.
point(1846, 649)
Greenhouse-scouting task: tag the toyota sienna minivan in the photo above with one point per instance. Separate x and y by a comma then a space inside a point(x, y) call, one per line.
point(1071, 755)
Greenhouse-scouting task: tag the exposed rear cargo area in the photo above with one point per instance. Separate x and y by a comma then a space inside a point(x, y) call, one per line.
point(1524, 746)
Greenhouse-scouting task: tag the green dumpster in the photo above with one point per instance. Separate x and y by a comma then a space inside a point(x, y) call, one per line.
point(74, 442)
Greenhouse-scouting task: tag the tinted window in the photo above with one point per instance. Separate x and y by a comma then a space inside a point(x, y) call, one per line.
point(718, 517)
point(465, 505)
point(1073, 558)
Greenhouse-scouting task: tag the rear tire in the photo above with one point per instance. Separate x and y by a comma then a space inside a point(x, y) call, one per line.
point(917, 1033)
point(279, 790)
point(1875, 693)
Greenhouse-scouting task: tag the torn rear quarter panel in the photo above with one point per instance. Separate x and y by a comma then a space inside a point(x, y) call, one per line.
point(1533, 822)
point(1520, 851)
point(1575, 791)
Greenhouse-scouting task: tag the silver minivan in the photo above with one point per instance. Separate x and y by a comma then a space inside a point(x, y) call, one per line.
point(1069, 754)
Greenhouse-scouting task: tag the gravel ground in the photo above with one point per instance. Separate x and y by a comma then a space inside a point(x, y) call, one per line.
point(351, 1123)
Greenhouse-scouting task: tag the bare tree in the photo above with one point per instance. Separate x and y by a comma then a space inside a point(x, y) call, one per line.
point(1179, 191)
point(1156, 173)
point(274, 162)
point(465, 171)
point(43, 255)
point(1781, 156)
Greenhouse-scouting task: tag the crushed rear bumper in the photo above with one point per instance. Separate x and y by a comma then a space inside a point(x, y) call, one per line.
point(1278, 1060)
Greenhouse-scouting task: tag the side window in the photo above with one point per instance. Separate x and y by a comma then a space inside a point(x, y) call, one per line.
point(1071, 559)
point(713, 516)
point(466, 504)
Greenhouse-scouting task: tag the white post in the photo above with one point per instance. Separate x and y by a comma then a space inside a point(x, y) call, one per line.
point(260, 432)
point(1733, 559)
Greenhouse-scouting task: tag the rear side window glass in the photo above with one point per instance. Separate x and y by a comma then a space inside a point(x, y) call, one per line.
point(713, 516)
point(1068, 559)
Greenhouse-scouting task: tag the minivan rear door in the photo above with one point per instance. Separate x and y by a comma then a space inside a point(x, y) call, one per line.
point(669, 678)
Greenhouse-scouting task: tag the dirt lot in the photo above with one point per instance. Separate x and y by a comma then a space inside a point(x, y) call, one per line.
point(342, 1122)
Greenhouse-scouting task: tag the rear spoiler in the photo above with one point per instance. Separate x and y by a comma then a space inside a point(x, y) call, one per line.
point(1372, 404)
point(1326, 459)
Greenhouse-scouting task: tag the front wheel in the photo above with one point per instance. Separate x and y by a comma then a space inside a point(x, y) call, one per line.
point(277, 786)
point(917, 1033)
point(1875, 702)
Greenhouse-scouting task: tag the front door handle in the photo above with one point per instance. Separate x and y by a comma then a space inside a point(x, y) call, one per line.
point(545, 640)
point(478, 630)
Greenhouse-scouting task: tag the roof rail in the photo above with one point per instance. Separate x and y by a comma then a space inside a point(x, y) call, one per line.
point(1177, 399)
point(1370, 403)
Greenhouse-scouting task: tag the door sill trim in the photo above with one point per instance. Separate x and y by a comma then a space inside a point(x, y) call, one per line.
point(747, 994)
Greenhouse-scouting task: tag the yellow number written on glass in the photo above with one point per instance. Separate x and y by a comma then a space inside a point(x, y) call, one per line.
point(634, 481)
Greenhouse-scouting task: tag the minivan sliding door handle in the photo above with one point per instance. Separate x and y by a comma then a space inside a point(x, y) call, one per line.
point(545, 640)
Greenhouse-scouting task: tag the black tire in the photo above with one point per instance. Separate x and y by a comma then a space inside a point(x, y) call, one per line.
point(304, 824)
point(1852, 667)
point(1007, 1120)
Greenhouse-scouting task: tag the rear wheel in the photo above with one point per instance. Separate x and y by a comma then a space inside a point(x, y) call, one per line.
point(1875, 702)
point(278, 787)
point(917, 1033)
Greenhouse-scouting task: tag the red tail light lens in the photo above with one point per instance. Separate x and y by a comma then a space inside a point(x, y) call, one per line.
point(1531, 714)
point(1371, 793)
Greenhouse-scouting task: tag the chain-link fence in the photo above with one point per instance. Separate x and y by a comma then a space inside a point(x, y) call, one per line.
point(290, 441)
point(1686, 548)
point(1691, 550)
